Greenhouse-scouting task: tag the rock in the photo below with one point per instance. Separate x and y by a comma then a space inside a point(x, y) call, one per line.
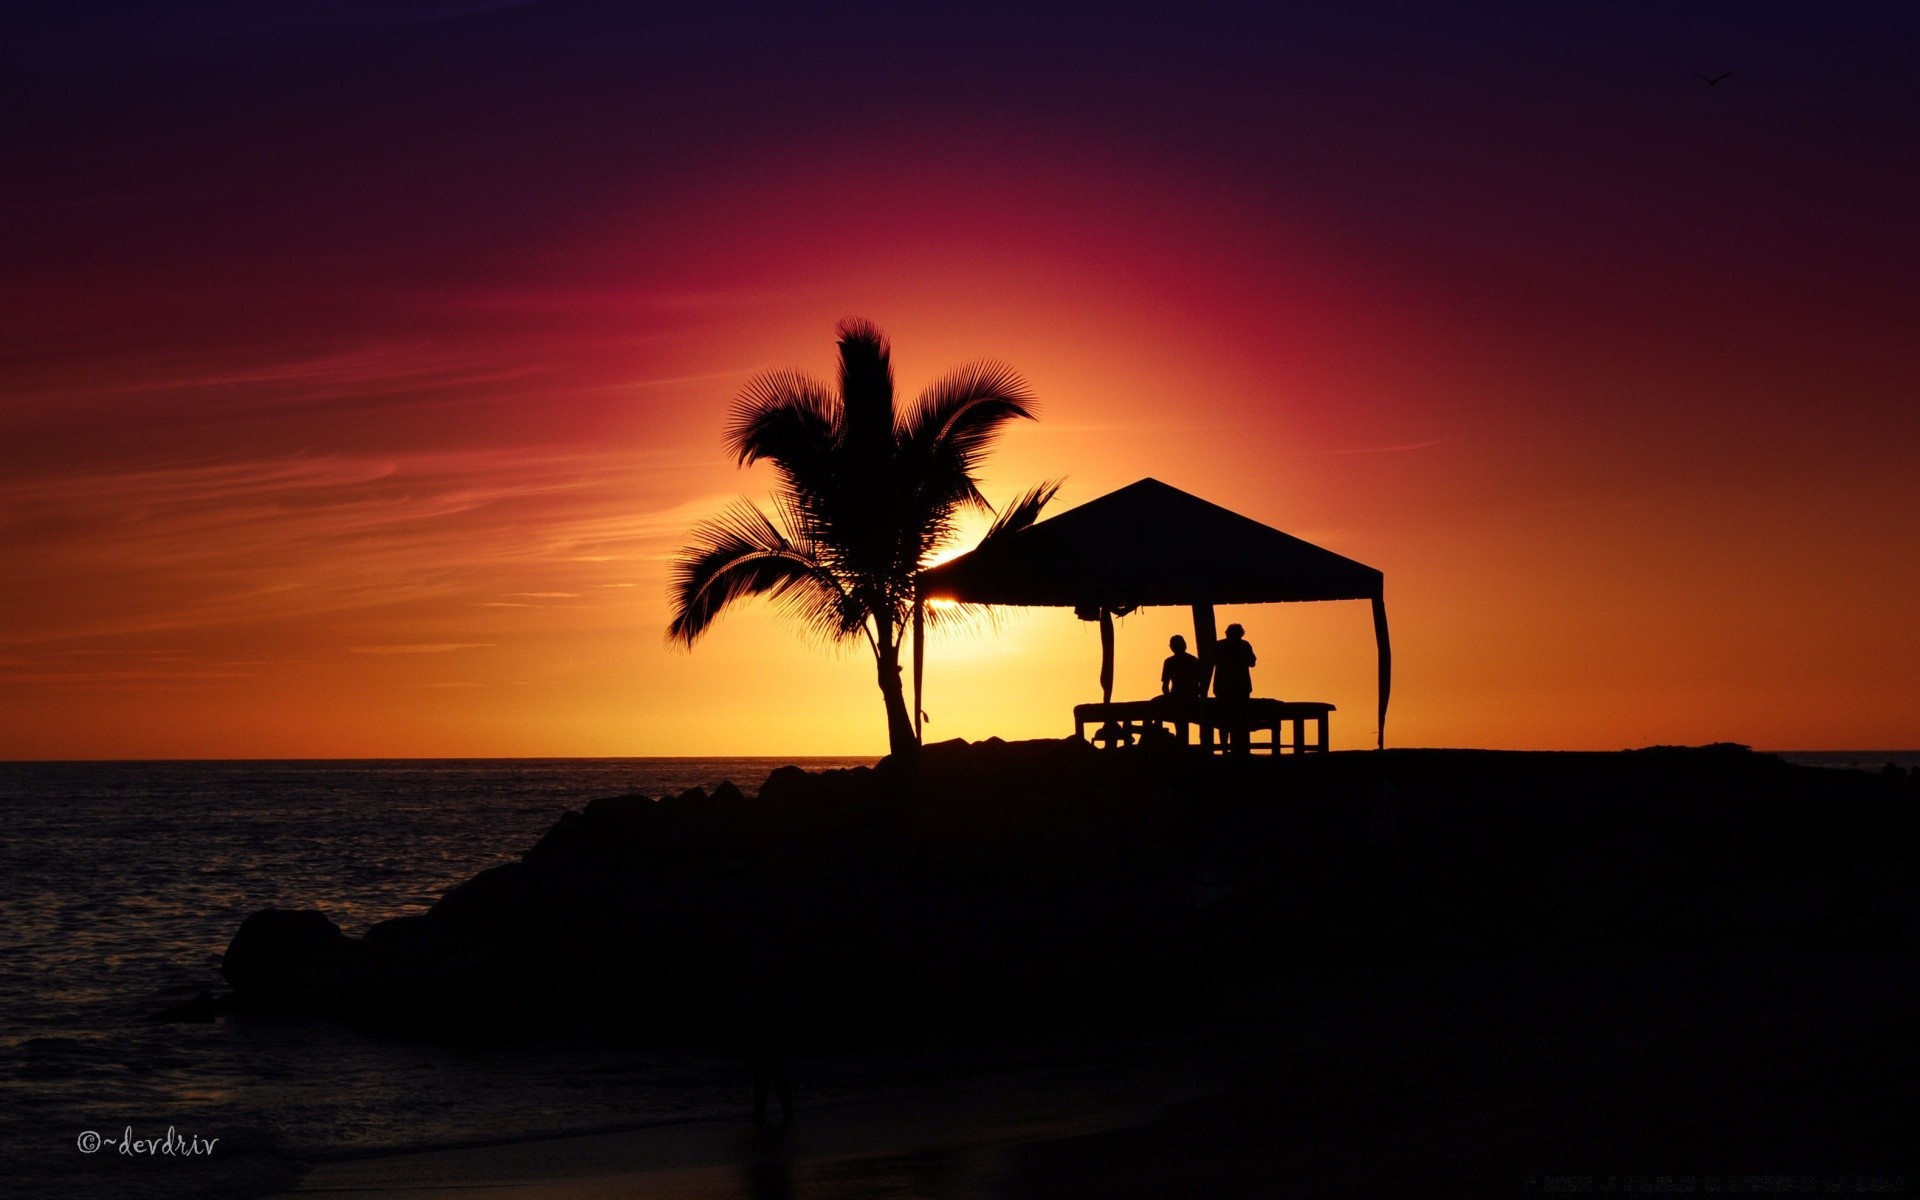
point(1456, 944)
point(571, 838)
point(618, 813)
point(1020, 883)
point(405, 940)
point(494, 896)
point(787, 784)
point(282, 951)
point(1784, 904)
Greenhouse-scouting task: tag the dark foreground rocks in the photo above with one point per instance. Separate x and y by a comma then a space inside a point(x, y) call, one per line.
point(1046, 883)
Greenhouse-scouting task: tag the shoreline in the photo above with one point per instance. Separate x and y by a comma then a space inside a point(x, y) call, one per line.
point(1370, 1079)
point(960, 1132)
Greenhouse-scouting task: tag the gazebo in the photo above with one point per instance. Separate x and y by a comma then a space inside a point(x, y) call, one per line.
point(1150, 544)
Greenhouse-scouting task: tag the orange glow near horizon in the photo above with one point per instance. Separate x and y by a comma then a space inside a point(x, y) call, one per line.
point(430, 512)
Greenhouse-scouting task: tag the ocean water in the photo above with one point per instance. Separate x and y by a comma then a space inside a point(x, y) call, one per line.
point(121, 884)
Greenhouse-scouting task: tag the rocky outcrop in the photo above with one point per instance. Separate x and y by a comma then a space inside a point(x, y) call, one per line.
point(1045, 882)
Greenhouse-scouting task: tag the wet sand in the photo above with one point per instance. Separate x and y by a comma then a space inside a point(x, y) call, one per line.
point(950, 1140)
point(1775, 1074)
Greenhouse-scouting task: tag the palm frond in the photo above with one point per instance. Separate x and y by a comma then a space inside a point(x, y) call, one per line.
point(950, 427)
point(786, 416)
point(866, 391)
point(962, 618)
point(831, 605)
point(818, 601)
point(1022, 511)
point(742, 553)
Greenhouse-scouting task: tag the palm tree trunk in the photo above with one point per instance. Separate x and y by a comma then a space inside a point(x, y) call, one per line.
point(886, 652)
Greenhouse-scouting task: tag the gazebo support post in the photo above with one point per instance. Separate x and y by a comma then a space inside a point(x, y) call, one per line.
point(919, 656)
point(1385, 649)
point(1203, 639)
point(1106, 655)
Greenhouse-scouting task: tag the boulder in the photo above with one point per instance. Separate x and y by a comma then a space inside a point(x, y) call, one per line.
point(497, 895)
point(619, 814)
point(788, 784)
point(288, 952)
point(571, 840)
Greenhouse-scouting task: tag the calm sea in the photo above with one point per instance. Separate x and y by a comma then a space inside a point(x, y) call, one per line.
point(120, 885)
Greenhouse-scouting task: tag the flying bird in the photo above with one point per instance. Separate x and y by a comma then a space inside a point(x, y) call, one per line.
point(1714, 82)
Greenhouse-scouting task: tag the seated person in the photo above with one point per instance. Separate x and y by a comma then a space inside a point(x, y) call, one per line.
point(1180, 674)
point(1182, 682)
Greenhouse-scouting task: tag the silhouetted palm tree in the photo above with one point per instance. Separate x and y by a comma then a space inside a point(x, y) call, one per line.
point(866, 494)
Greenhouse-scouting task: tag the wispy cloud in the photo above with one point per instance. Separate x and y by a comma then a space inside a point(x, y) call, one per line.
point(591, 298)
point(367, 374)
point(147, 549)
point(1396, 448)
point(420, 648)
point(124, 668)
point(546, 600)
point(129, 674)
point(142, 678)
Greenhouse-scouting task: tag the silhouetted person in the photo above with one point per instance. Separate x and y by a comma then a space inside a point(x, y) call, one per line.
point(1233, 686)
point(761, 1038)
point(764, 1027)
point(1180, 674)
point(1182, 683)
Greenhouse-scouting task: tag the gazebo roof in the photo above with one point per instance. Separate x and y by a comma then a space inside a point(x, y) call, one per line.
point(1147, 544)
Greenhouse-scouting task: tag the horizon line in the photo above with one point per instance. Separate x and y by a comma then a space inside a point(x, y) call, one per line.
point(877, 756)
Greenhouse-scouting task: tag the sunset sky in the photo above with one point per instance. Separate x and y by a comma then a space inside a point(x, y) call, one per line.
point(364, 362)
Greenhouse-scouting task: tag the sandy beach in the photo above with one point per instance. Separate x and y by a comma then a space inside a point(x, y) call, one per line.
point(949, 1139)
point(1736, 1075)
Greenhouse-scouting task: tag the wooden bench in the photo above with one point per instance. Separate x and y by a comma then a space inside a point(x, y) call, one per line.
point(1125, 722)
